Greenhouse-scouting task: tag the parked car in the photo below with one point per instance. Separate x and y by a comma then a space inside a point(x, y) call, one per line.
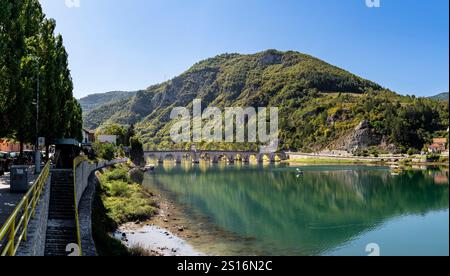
point(2, 165)
point(28, 157)
point(5, 162)
point(14, 157)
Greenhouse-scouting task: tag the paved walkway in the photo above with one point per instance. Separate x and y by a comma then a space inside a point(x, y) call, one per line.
point(8, 200)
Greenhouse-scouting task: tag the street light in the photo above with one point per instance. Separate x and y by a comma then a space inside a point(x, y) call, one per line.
point(37, 154)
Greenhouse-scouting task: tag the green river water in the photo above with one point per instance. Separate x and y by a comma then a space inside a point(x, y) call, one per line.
point(329, 210)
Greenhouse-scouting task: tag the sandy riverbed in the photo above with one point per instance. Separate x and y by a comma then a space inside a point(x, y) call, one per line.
point(165, 234)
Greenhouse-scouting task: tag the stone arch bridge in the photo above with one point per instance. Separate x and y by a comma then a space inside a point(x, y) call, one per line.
point(213, 156)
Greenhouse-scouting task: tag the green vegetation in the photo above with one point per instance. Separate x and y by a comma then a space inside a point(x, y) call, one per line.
point(119, 200)
point(137, 151)
point(123, 199)
point(102, 226)
point(105, 151)
point(123, 133)
point(32, 56)
point(319, 104)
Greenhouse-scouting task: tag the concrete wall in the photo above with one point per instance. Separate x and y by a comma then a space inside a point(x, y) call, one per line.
point(35, 243)
point(85, 188)
point(85, 169)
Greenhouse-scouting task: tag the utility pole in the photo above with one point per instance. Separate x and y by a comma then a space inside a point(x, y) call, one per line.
point(37, 156)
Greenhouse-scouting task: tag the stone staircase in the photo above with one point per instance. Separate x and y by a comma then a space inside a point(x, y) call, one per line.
point(61, 227)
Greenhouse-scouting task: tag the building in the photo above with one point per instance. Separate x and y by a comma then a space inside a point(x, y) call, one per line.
point(439, 145)
point(11, 146)
point(88, 137)
point(112, 139)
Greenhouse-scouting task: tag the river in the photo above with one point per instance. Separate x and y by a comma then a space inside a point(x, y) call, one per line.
point(327, 210)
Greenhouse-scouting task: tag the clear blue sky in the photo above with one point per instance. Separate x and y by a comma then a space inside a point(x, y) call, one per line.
point(132, 44)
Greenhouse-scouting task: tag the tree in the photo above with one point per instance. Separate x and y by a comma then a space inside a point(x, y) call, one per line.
point(130, 133)
point(114, 129)
point(30, 54)
point(137, 151)
point(12, 50)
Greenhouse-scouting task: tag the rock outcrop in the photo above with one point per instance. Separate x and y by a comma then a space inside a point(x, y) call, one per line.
point(362, 137)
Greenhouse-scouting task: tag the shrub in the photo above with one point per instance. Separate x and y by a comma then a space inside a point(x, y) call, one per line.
point(119, 189)
point(412, 151)
point(105, 151)
point(433, 157)
point(123, 199)
point(116, 174)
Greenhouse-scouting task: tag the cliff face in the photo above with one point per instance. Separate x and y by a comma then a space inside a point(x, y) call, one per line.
point(362, 137)
point(320, 105)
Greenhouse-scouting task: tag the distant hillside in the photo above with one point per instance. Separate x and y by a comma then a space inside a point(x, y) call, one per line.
point(440, 97)
point(94, 101)
point(321, 106)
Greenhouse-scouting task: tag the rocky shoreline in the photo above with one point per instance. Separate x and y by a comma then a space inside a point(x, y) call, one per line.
point(166, 234)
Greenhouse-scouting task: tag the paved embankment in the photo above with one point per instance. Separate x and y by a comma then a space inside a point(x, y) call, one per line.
point(8, 200)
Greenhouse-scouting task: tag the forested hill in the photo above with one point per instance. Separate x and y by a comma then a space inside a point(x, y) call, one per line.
point(320, 104)
point(441, 97)
point(94, 101)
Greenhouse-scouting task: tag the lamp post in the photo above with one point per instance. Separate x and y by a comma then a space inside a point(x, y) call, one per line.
point(37, 153)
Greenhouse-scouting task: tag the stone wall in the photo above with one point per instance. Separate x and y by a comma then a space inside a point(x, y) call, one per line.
point(85, 217)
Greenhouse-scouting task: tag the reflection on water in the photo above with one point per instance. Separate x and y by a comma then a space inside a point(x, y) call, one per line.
point(277, 212)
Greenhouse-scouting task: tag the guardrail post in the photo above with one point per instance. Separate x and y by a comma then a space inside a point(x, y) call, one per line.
point(12, 237)
point(25, 227)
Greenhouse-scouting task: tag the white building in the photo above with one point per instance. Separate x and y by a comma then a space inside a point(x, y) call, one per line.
point(88, 137)
point(112, 139)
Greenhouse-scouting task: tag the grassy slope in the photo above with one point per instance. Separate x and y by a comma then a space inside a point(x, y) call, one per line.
point(118, 200)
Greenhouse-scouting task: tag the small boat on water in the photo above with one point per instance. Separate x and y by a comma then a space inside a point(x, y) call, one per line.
point(299, 172)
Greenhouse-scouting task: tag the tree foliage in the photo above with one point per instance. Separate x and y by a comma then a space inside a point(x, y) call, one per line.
point(32, 58)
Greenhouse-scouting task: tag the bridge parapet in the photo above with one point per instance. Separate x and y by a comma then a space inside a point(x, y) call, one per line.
point(213, 156)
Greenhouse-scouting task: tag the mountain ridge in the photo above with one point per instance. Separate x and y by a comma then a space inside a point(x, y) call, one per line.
point(440, 97)
point(319, 102)
point(93, 101)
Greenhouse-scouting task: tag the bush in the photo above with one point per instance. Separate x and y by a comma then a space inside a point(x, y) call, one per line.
point(433, 157)
point(105, 151)
point(374, 152)
point(116, 174)
point(125, 200)
point(119, 189)
point(412, 151)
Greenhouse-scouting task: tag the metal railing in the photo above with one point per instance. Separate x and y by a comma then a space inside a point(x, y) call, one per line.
point(14, 231)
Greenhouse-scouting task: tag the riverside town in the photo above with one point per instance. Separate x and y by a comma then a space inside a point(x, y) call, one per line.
point(225, 134)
